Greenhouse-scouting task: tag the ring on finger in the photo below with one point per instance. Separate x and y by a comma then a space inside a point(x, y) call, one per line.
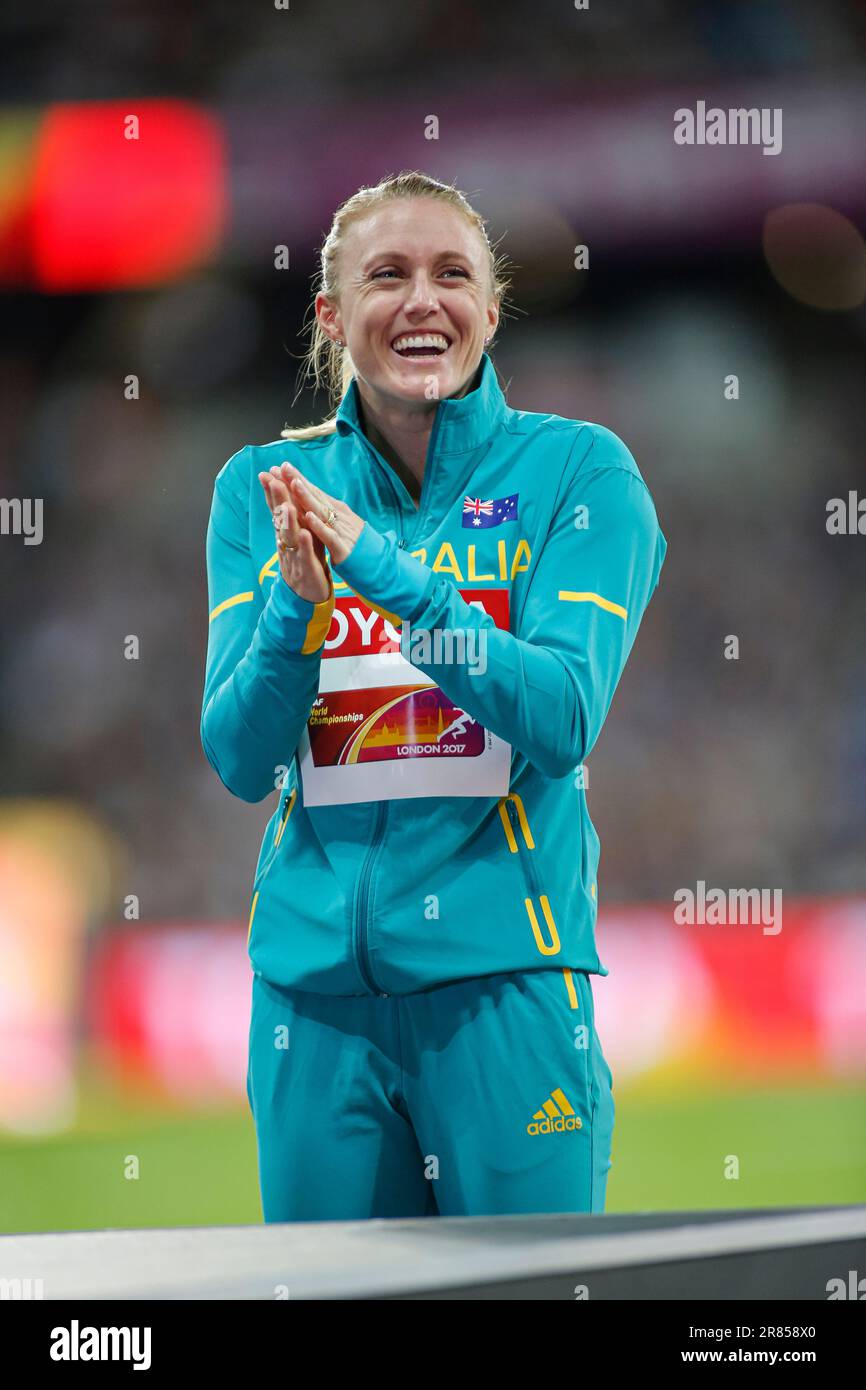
point(281, 524)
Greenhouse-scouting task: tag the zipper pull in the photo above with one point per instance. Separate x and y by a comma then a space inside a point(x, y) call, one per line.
point(401, 544)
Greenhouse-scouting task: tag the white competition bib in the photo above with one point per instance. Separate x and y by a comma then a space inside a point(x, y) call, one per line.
point(380, 728)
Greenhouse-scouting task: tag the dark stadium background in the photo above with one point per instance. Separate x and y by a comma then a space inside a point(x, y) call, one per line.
point(125, 1034)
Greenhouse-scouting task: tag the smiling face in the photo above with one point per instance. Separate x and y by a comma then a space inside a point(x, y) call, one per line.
point(415, 300)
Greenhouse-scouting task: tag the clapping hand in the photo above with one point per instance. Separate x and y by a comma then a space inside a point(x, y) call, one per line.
point(301, 554)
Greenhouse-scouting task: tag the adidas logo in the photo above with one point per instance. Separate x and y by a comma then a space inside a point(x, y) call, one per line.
point(554, 1116)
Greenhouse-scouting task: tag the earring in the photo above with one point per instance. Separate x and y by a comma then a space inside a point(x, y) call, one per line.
point(339, 342)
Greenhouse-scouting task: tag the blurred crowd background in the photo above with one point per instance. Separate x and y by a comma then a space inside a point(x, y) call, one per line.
point(703, 263)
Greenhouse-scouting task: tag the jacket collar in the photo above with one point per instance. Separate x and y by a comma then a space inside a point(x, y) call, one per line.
point(464, 422)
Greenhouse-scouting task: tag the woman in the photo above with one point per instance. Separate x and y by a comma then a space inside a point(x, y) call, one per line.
point(420, 668)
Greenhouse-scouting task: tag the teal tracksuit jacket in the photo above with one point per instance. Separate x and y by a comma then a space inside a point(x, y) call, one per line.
point(431, 821)
point(422, 1035)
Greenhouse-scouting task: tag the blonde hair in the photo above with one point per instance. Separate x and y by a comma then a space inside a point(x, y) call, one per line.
point(330, 366)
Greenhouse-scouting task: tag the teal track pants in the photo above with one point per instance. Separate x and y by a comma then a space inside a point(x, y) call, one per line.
point(484, 1097)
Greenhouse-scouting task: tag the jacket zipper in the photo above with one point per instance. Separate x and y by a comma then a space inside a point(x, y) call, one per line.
point(362, 954)
point(359, 926)
point(389, 473)
point(523, 849)
point(425, 481)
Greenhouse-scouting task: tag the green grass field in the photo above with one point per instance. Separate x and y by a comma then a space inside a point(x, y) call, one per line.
point(797, 1146)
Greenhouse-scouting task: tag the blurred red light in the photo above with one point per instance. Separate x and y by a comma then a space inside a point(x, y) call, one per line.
point(110, 211)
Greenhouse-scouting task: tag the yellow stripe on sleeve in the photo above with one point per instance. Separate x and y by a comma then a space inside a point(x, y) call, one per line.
point(230, 603)
point(266, 572)
point(605, 603)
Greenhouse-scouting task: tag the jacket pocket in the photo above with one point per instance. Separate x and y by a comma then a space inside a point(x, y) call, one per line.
point(537, 904)
point(287, 804)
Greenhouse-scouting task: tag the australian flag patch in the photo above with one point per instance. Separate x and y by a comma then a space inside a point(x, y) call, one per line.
point(477, 512)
